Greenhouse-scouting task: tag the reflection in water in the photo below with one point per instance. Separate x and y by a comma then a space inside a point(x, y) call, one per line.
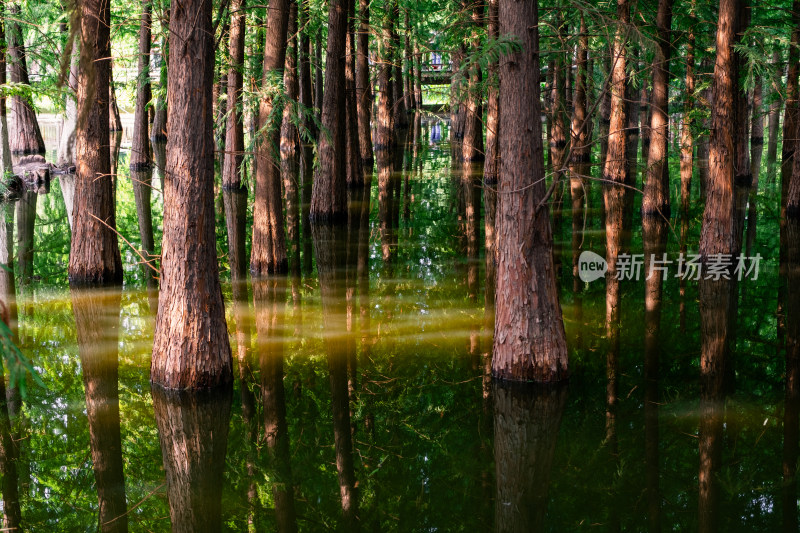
point(791, 415)
point(331, 255)
point(269, 296)
point(193, 431)
point(26, 218)
point(97, 322)
point(526, 424)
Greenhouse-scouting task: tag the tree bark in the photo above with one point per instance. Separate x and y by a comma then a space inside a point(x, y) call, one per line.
point(307, 159)
point(26, 137)
point(355, 172)
point(190, 346)
point(114, 122)
point(158, 133)
point(529, 341)
point(234, 131)
point(329, 195)
point(580, 152)
point(756, 153)
point(774, 116)
point(268, 252)
point(364, 86)
point(656, 191)
point(687, 138)
point(492, 163)
point(97, 323)
point(401, 109)
point(718, 231)
point(66, 143)
point(289, 145)
point(94, 254)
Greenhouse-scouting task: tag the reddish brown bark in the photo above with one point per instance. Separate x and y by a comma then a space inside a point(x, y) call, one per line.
point(656, 191)
point(26, 137)
point(190, 347)
point(687, 138)
point(492, 162)
point(289, 146)
point(94, 254)
point(364, 85)
point(268, 252)
point(355, 173)
point(580, 152)
point(234, 136)
point(529, 342)
point(329, 194)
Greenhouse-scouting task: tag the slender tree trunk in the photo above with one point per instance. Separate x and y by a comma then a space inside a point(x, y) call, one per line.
point(158, 133)
point(364, 86)
point(742, 177)
point(492, 164)
point(355, 172)
point(329, 195)
point(656, 192)
point(190, 347)
point(580, 153)
point(774, 116)
point(268, 252)
point(408, 66)
point(97, 323)
point(289, 149)
point(418, 76)
point(66, 143)
point(687, 139)
point(318, 76)
point(114, 122)
point(529, 341)
point(26, 137)
point(307, 160)
point(401, 109)
point(558, 140)
point(94, 254)
point(234, 136)
point(384, 127)
point(756, 153)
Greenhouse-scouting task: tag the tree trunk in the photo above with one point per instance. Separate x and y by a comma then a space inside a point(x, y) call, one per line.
point(66, 143)
point(318, 87)
point(791, 418)
point(656, 190)
point(401, 110)
point(114, 122)
point(774, 115)
point(234, 131)
point(355, 173)
point(268, 252)
point(529, 341)
point(418, 76)
point(718, 231)
point(307, 160)
point(329, 195)
point(94, 255)
point(193, 432)
point(756, 153)
point(687, 139)
point(289, 149)
point(190, 346)
point(492, 164)
point(384, 127)
point(364, 86)
point(97, 323)
point(580, 153)
point(158, 133)
point(26, 137)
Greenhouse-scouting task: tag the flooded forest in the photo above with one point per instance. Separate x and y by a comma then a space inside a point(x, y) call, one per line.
point(399, 265)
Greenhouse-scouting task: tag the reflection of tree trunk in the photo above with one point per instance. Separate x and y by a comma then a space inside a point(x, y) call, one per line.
point(26, 220)
point(97, 323)
point(193, 431)
point(330, 252)
point(9, 451)
point(526, 423)
point(269, 296)
point(235, 219)
point(655, 236)
point(791, 418)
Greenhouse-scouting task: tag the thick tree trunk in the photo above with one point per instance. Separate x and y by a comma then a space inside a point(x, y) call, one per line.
point(234, 131)
point(26, 137)
point(193, 431)
point(97, 323)
point(529, 342)
point(526, 423)
point(656, 191)
point(719, 218)
point(268, 252)
point(289, 146)
point(364, 86)
point(384, 127)
point(94, 254)
point(329, 195)
point(190, 346)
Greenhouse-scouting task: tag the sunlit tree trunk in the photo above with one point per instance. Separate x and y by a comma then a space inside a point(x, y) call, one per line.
point(329, 194)
point(656, 191)
point(492, 164)
point(94, 254)
point(158, 133)
point(190, 345)
point(687, 139)
point(529, 341)
point(26, 137)
point(66, 144)
point(268, 252)
point(364, 86)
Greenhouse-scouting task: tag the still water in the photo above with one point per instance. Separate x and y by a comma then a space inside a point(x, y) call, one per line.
point(435, 446)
